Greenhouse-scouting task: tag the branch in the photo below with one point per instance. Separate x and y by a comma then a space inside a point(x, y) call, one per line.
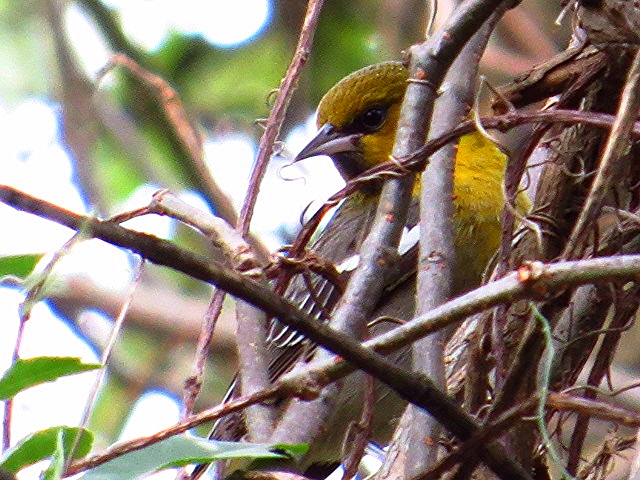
point(420, 389)
point(181, 427)
point(277, 114)
point(436, 271)
point(193, 383)
point(535, 279)
point(594, 409)
point(302, 422)
point(416, 160)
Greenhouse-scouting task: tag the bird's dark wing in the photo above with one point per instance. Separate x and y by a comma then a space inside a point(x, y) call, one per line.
point(338, 243)
point(315, 295)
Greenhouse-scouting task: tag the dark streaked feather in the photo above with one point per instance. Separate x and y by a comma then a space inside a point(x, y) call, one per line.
point(286, 346)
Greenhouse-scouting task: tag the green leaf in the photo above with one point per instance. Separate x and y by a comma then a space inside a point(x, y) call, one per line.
point(19, 266)
point(56, 467)
point(33, 371)
point(290, 449)
point(45, 444)
point(182, 450)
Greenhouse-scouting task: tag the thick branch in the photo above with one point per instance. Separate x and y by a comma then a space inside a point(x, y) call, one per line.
point(535, 279)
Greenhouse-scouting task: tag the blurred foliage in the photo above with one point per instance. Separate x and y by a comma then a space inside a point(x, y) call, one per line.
point(26, 52)
point(181, 450)
point(130, 143)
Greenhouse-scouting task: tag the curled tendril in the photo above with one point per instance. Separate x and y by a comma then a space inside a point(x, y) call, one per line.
point(304, 212)
point(475, 112)
point(431, 22)
point(271, 97)
point(281, 176)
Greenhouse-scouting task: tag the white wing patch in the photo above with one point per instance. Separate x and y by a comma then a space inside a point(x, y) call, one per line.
point(410, 238)
point(349, 264)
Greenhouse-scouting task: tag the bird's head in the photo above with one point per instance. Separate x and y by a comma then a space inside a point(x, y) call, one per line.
point(358, 118)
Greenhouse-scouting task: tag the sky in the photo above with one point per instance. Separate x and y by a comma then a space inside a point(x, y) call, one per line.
point(32, 144)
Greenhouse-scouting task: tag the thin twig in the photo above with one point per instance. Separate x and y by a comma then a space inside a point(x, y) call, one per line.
point(279, 110)
point(626, 307)
point(193, 383)
point(181, 427)
point(34, 294)
point(593, 408)
point(236, 250)
point(416, 160)
point(106, 357)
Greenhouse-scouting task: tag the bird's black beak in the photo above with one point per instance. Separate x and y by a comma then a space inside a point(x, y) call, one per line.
point(330, 141)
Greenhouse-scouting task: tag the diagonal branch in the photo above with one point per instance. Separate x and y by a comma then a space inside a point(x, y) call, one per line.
point(437, 236)
point(418, 389)
point(533, 280)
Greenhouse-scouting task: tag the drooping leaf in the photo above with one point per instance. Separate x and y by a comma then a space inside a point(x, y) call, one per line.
point(183, 450)
point(56, 467)
point(45, 444)
point(34, 371)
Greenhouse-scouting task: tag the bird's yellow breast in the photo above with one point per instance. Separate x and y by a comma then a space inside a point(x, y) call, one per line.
point(478, 201)
point(478, 171)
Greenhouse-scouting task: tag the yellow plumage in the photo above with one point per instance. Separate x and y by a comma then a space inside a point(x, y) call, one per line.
point(478, 202)
point(479, 165)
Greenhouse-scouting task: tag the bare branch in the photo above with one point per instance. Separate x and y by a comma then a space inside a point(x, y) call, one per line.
point(279, 110)
point(437, 264)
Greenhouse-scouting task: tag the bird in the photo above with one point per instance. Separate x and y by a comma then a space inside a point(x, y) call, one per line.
point(357, 120)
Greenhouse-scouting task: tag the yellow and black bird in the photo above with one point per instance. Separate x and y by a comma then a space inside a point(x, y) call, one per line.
point(357, 119)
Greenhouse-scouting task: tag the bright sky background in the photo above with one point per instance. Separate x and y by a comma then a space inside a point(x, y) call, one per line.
point(31, 144)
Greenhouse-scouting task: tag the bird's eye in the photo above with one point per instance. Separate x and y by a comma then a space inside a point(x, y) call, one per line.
point(371, 119)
